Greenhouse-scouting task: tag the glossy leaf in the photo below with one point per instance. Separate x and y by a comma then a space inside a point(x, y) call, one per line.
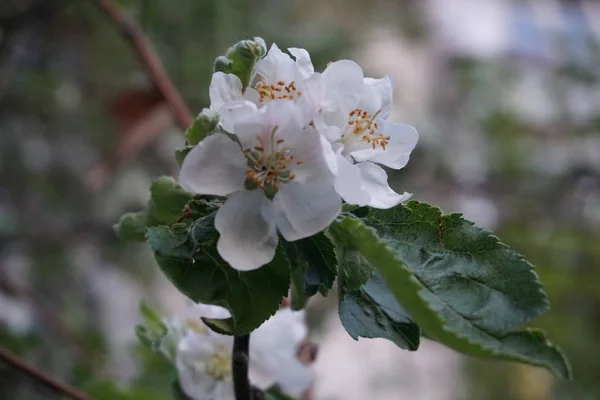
point(189, 258)
point(438, 319)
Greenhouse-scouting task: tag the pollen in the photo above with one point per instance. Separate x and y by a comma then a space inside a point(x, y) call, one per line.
point(363, 126)
point(277, 91)
point(219, 366)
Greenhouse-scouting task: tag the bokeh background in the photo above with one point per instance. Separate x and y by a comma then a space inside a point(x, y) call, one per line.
point(505, 96)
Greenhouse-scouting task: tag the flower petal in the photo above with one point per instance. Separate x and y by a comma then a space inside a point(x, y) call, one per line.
point(305, 209)
point(378, 95)
point(348, 182)
point(246, 223)
point(403, 139)
point(215, 166)
point(223, 89)
point(302, 61)
point(374, 181)
point(235, 112)
point(209, 311)
point(276, 66)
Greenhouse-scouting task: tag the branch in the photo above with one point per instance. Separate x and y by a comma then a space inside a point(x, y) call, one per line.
point(239, 365)
point(149, 60)
point(40, 376)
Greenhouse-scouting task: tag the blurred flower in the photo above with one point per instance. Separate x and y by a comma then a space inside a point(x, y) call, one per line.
point(204, 357)
point(279, 176)
point(352, 116)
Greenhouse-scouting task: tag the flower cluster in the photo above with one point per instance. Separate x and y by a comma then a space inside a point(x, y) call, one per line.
point(296, 143)
point(203, 357)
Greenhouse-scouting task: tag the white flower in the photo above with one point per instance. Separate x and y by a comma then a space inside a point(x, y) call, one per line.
point(279, 177)
point(279, 78)
point(352, 114)
point(204, 357)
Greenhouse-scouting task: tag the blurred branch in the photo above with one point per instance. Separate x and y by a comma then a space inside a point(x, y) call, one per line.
point(35, 373)
point(156, 118)
point(150, 60)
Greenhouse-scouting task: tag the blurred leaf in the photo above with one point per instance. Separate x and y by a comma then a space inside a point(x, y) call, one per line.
point(195, 267)
point(108, 390)
point(299, 298)
point(276, 394)
point(132, 227)
point(372, 312)
point(438, 319)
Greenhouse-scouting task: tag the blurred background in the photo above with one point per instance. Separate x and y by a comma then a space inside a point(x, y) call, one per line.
point(504, 93)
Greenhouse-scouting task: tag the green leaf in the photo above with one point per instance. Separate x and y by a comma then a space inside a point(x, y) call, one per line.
point(241, 58)
point(152, 318)
point(467, 268)
point(204, 124)
point(195, 267)
point(438, 319)
point(167, 201)
point(372, 312)
point(132, 227)
point(317, 256)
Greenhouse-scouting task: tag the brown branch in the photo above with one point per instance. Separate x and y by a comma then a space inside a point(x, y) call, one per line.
point(149, 60)
point(40, 376)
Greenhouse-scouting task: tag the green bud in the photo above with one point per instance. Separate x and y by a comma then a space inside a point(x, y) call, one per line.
point(241, 58)
point(180, 154)
point(204, 125)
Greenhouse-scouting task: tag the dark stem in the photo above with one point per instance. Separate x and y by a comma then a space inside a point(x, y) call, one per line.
point(40, 376)
point(239, 365)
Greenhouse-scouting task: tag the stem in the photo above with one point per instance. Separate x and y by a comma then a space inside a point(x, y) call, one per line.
point(37, 374)
point(239, 365)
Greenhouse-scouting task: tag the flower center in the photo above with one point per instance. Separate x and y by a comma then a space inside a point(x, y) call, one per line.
point(268, 165)
point(219, 366)
point(363, 128)
point(279, 91)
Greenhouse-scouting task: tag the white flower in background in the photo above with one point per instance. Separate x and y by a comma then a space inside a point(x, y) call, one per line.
point(352, 115)
point(279, 177)
point(279, 78)
point(204, 357)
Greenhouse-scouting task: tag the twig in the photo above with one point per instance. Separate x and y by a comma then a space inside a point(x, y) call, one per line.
point(239, 365)
point(151, 62)
point(37, 374)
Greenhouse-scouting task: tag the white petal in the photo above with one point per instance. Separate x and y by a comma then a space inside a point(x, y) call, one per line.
point(215, 166)
point(305, 209)
point(403, 139)
point(316, 156)
point(223, 89)
point(246, 223)
point(197, 384)
point(374, 181)
point(348, 182)
point(302, 61)
point(276, 66)
point(345, 76)
point(380, 94)
point(313, 94)
point(235, 112)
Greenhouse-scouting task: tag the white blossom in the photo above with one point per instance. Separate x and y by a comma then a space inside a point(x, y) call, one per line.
point(204, 357)
point(279, 177)
point(279, 77)
point(352, 114)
